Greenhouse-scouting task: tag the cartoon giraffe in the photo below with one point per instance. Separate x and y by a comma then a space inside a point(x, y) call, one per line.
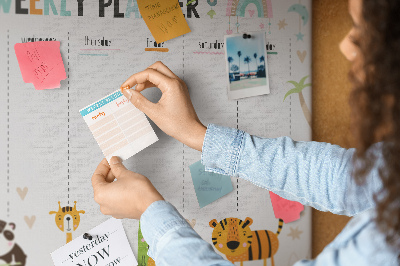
point(63, 217)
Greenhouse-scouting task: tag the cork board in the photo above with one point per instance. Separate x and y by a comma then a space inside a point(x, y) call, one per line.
point(331, 89)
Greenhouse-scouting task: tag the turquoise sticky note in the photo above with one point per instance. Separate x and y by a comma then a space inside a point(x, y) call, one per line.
point(209, 186)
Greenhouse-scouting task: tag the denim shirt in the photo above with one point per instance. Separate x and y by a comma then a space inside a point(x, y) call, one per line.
point(312, 173)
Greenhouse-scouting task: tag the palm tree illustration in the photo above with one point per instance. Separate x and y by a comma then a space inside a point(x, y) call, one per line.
point(230, 60)
point(239, 53)
point(298, 87)
point(247, 61)
point(262, 59)
point(255, 58)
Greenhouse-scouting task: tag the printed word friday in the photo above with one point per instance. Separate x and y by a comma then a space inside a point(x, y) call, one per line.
point(37, 7)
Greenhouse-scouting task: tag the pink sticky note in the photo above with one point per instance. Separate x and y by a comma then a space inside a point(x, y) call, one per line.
point(41, 64)
point(284, 209)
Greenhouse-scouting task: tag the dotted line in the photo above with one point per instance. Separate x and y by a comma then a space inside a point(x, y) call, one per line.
point(290, 117)
point(68, 118)
point(183, 145)
point(300, 19)
point(290, 106)
point(8, 122)
point(237, 179)
point(290, 56)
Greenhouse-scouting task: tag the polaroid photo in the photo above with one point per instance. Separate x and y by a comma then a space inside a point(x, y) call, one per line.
point(246, 64)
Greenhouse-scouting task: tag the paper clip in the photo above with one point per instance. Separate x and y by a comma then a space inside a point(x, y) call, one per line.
point(125, 88)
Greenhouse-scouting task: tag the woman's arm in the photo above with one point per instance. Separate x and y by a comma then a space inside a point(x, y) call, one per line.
point(312, 173)
point(171, 239)
point(315, 174)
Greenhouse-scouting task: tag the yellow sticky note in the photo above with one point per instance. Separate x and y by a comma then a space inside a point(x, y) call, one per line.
point(164, 18)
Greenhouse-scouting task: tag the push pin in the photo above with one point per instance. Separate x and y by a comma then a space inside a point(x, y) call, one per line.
point(125, 88)
point(87, 236)
point(246, 36)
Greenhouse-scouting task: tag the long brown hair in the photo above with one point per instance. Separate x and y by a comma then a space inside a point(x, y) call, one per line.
point(375, 104)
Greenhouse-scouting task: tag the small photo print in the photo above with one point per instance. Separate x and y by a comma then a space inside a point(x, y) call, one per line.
point(246, 63)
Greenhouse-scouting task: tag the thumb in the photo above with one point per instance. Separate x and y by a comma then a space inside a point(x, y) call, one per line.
point(117, 167)
point(139, 101)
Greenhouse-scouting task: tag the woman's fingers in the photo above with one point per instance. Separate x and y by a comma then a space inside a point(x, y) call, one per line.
point(117, 167)
point(142, 86)
point(160, 67)
point(145, 79)
point(100, 174)
point(110, 177)
point(159, 80)
point(141, 102)
point(174, 113)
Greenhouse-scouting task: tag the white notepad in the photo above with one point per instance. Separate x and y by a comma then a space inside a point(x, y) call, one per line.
point(118, 126)
point(108, 246)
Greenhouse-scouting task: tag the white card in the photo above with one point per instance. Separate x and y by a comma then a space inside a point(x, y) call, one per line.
point(118, 126)
point(108, 247)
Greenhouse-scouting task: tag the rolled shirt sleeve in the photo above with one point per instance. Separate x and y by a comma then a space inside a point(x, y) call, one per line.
point(313, 173)
point(172, 241)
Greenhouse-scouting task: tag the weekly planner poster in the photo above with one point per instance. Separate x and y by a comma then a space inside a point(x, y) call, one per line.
point(48, 153)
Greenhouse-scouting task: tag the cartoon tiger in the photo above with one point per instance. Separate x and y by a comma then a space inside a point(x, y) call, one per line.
point(234, 238)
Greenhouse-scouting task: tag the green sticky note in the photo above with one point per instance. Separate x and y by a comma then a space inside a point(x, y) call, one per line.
point(209, 186)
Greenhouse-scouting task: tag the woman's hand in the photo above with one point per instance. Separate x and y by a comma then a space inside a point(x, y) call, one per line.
point(174, 112)
point(128, 197)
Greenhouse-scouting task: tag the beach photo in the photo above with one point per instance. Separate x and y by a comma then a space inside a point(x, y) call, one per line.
point(246, 61)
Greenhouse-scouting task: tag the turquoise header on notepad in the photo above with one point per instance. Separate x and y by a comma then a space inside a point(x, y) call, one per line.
point(100, 103)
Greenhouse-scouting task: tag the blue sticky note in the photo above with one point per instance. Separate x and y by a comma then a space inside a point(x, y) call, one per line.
point(209, 186)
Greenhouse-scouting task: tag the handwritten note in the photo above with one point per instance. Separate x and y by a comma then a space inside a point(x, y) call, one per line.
point(109, 246)
point(209, 186)
point(118, 126)
point(41, 64)
point(284, 209)
point(164, 18)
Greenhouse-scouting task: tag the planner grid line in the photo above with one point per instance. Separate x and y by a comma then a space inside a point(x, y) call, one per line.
point(290, 100)
point(237, 179)
point(183, 149)
point(68, 118)
point(8, 122)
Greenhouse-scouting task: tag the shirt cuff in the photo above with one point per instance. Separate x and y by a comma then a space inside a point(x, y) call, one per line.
point(222, 148)
point(157, 220)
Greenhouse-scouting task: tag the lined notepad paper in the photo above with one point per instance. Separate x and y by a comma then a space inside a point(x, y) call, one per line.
point(118, 126)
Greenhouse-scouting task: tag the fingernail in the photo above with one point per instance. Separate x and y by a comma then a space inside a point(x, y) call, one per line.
point(115, 160)
point(128, 94)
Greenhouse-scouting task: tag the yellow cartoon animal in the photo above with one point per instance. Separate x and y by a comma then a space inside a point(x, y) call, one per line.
point(234, 238)
point(151, 262)
point(67, 219)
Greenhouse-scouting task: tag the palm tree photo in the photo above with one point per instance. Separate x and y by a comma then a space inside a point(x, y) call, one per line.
point(247, 60)
point(230, 60)
point(262, 59)
point(255, 60)
point(239, 53)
